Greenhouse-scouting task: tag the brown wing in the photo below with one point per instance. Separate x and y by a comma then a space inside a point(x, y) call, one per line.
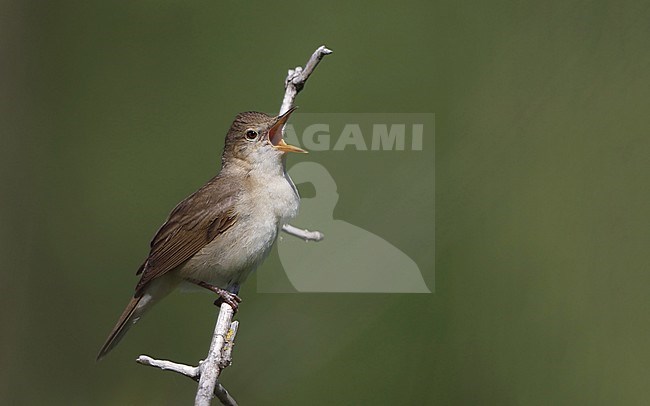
point(194, 223)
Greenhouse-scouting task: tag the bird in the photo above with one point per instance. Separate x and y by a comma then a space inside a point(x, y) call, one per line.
point(221, 233)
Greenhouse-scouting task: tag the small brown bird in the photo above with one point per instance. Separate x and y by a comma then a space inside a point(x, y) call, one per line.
point(221, 233)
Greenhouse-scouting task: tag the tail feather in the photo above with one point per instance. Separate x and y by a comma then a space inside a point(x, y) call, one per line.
point(128, 318)
point(141, 302)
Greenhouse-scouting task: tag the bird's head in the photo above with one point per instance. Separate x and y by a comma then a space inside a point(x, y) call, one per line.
point(256, 138)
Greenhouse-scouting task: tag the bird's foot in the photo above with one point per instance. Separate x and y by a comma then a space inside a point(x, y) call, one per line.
point(224, 296)
point(227, 297)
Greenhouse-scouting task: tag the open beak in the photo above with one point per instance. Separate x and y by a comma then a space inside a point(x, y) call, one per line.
point(275, 134)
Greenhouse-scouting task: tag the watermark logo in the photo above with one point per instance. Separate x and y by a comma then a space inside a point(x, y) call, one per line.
point(383, 165)
point(383, 137)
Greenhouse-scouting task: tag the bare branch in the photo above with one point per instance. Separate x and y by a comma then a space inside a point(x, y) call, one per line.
point(293, 84)
point(211, 366)
point(297, 77)
point(189, 371)
point(304, 234)
point(224, 397)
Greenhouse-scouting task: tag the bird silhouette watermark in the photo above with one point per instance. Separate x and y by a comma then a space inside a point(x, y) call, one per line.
point(352, 258)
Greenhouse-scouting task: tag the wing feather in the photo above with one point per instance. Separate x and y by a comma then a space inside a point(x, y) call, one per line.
point(193, 224)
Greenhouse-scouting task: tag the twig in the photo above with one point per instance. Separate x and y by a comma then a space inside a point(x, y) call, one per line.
point(189, 371)
point(296, 78)
point(304, 234)
point(223, 338)
point(293, 84)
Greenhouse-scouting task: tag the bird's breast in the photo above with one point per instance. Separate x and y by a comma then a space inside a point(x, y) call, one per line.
point(261, 209)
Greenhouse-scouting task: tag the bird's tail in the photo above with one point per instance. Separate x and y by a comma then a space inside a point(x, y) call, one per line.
point(140, 303)
point(134, 310)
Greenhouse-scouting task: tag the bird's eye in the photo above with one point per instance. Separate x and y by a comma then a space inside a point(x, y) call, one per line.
point(251, 135)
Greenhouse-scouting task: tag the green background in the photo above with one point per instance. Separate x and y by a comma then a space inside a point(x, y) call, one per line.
point(114, 111)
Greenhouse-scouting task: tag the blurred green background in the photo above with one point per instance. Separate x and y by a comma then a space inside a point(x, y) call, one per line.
point(112, 112)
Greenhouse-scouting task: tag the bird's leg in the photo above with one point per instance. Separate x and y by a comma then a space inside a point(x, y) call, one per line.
point(224, 296)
